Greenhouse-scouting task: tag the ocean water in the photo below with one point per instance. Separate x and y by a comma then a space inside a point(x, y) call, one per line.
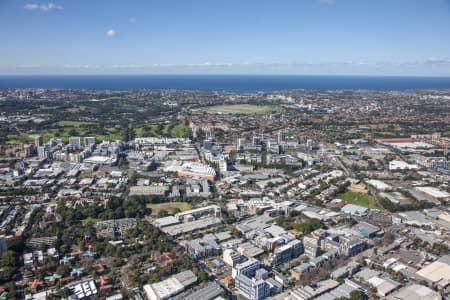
point(229, 83)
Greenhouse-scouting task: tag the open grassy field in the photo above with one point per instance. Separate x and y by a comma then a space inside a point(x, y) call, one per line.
point(179, 129)
point(48, 107)
point(90, 221)
point(358, 199)
point(77, 124)
point(77, 109)
point(241, 109)
point(169, 206)
point(109, 133)
point(23, 138)
point(65, 129)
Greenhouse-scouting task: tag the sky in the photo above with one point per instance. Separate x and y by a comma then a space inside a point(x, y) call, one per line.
point(349, 37)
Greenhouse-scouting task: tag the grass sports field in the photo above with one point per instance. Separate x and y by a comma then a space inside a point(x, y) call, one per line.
point(173, 130)
point(65, 129)
point(169, 206)
point(241, 109)
point(358, 199)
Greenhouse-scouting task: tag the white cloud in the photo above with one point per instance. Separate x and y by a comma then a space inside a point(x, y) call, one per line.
point(327, 2)
point(437, 60)
point(132, 20)
point(111, 33)
point(43, 7)
point(31, 6)
point(432, 66)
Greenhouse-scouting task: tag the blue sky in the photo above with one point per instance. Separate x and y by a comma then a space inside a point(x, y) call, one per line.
point(370, 37)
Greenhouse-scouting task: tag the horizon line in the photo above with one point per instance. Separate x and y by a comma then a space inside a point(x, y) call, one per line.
point(223, 74)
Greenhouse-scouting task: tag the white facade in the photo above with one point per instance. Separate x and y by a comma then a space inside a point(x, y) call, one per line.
point(163, 289)
point(379, 185)
point(169, 287)
point(240, 143)
point(231, 257)
point(434, 192)
point(401, 165)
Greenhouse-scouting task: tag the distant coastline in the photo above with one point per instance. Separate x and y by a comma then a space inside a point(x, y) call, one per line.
point(228, 83)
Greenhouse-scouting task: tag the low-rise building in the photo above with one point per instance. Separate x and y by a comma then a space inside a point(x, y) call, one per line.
point(384, 286)
point(114, 228)
point(434, 193)
point(170, 287)
point(437, 271)
point(311, 292)
point(345, 271)
point(197, 170)
point(150, 190)
point(401, 165)
point(351, 247)
point(366, 229)
point(84, 290)
point(190, 215)
point(209, 292)
point(379, 185)
point(287, 252)
point(187, 227)
point(354, 210)
point(165, 221)
point(201, 248)
point(415, 292)
point(232, 257)
point(311, 250)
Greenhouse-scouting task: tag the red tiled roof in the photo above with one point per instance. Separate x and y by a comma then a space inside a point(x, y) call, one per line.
point(106, 287)
point(68, 278)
